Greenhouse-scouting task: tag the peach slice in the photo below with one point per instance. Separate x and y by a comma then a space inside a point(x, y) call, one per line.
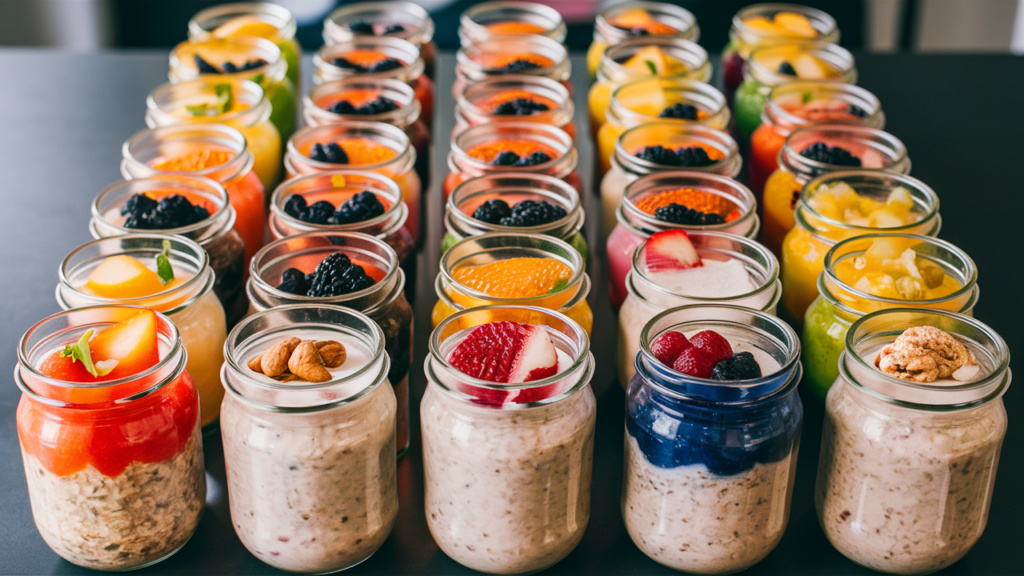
point(122, 277)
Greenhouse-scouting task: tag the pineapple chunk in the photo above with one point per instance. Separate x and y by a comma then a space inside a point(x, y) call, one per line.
point(647, 98)
point(900, 198)
point(824, 203)
point(809, 68)
point(905, 265)
point(886, 218)
point(878, 284)
point(885, 248)
point(650, 60)
point(869, 205)
point(910, 288)
point(795, 25)
point(846, 196)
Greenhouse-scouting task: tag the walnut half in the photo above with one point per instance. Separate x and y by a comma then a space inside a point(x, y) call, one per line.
point(924, 354)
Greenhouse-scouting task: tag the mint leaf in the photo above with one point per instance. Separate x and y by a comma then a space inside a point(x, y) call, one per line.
point(163, 264)
point(651, 66)
point(225, 101)
point(80, 352)
point(807, 97)
point(558, 286)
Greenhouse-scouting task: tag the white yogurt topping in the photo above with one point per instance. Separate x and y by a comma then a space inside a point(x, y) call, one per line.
point(714, 279)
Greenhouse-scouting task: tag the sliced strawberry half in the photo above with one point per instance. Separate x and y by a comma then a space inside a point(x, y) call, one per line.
point(713, 344)
point(506, 353)
point(669, 346)
point(670, 250)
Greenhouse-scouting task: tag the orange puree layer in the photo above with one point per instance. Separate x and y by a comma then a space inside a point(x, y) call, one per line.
point(516, 28)
point(366, 58)
point(363, 151)
point(500, 61)
point(509, 95)
point(196, 160)
point(488, 151)
point(691, 198)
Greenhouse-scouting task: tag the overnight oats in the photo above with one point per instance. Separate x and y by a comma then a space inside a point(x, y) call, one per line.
point(515, 98)
point(324, 268)
point(231, 101)
point(489, 19)
point(244, 57)
point(913, 429)
point(511, 54)
point(196, 208)
point(377, 57)
point(691, 201)
point(527, 203)
point(797, 104)
point(776, 65)
point(640, 58)
point(712, 433)
point(109, 429)
point(621, 22)
point(842, 205)
point(213, 151)
point(659, 147)
point(676, 100)
point(263, 19)
point(508, 438)
point(767, 24)
point(346, 201)
point(676, 268)
point(365, 146)
point(511, 268)
point(309, 437)
point(405, 20)
point(816, 150)
point(169, 274)
point(875, 272)
point(511, 148)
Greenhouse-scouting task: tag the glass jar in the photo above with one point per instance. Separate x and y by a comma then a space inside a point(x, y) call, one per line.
point(224, 246)
point(337, 186)
point(241, 51)
point(478, 102)
point(840, 302)
point(803, 250)
point(310, 466)
point(662, 20)
point(923, 453)
point(498, 55)
point(357, 89)
point(759, 79)
point(264, 19)
point(643, 101)
point(386, 150)
point(797, 104)
point(384, 302)
point(710, 464)
point(214, 151)
point(507, 483)
point(368, 48)
point(246, 110)
point(627, 165)
point(114, 469)
point(459, 222)
point(683, 58)
point(877, 150)
point(652, 293)
point(568, 297)
point(190, 303)
point(474, 149)
point(743, 37)
point(416, 26)
point(487, 19)
point(635, 225)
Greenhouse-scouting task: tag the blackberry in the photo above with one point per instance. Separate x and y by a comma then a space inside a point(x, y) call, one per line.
point(693, 157)
point(139, 210)
point(534, 159)
point(519, 64)
point(295, 206)
point(230, 68)
point(679, 214)
point(857, 111)
point(659, 155)
point(533, 213)
point(378, 106)
point(739, 366)
point(393, 28)
point(331, 153)
point(337, 275)
point(689, 157)
point(342, 62)
point(680, 111)
point(359, 208)
point(520, 107)
point(361, 27)
point(203, 66)
point(320, 213)
point(293, 281)
point(492, 211)
point(821, 152)
point(385, 65)
point(787, 69)
point(173, 211)
point(342, 107)
point(506, 158)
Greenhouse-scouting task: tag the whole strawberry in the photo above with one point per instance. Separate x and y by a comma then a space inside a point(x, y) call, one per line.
point(695, 362)
point(668, 346)
point(713, 344)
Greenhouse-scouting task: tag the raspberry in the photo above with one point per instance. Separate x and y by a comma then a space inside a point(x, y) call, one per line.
point(695, 362)
point(668, 346)
point(713, 344)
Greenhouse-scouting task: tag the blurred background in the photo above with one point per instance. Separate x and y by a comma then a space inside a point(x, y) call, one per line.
point(870, 25)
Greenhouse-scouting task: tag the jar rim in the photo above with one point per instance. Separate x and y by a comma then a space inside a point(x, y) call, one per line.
point(223, 134)
point(718, 139)
point(265, 49)
point(386, 186)
point(776, 115)
point(540, 85)
point(752, 35)
point(629, 211)
point(407, 113)
point(402, 50)
point(157, 100)
point(532, 43)
point(482, 133)
point(359, 128)
point(878, 176)
point(689, 28)
point(833, 54)
point(527, 183)
point(207, 188)
point(683, 49)
point(469, 29)
point(284, 21)
point(697, 93)
point(334, 31)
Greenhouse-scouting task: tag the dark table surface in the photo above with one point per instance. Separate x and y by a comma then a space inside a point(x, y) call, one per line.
point(63, 118)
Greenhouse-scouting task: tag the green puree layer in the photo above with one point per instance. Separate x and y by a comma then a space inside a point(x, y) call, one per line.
point(823, 341)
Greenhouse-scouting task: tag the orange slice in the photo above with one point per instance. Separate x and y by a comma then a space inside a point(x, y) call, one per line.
point(515, 278)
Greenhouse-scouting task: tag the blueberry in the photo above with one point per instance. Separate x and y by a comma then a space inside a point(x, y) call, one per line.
point(492, 211)
point(787, 69)
point(520, 107)
point(506, 158)
point(821, 152)
point(680, 111)
point(337, 275)
point(533, 213)
point(520, 64)
point(203, 66)
point(295, 206)
point(359, 208)
point(739, 366)
point(331, 153)
point(293, 281)
point(534, 159)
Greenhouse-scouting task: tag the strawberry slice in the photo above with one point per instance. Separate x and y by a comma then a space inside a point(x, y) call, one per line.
point(695, 362)
point(713, 344)
point(669, 346)
point(670, 250)
point(506, 353)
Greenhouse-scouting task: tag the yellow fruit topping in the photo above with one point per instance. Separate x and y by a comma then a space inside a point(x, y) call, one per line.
point(795, 56)
point(123, 277)
point(515, 277)
point(783, 24)
point(247, 26)
point(886, 271)
point(838, 201)
point(652, 60)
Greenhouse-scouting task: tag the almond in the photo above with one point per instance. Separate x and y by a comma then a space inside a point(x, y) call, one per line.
point(306, 363)
point(333, 353)
point(274, 362)
point(255, 365)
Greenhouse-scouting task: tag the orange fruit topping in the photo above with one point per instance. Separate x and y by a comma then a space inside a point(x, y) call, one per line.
point(488, 151)
point(122, 277)
point(516, 28)
point(132, 343)
point(691, 198)
point(194, 161)
point(499, 61)
point(640, 18)
point(367, 58)
point(496, 100)
point(515, 277)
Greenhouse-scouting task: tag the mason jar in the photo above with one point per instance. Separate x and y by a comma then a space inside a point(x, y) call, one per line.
point(188, 301)
point(852, 285)
point(710, 464)
point(310, 466)
point(487, 19)
point(507, 467)
point(414, 25)
point(501, 54)
point(650, 293)
point(907, 469)
point(384, 302)
point(478, 103)
point(616, 24)
point(135, 498)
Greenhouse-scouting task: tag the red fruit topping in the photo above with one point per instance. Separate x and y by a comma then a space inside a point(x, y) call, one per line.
point(670, 250)
point(713, 344)
point(132, 343)
point(668, 346)
point(695, 362)
point(506, 352)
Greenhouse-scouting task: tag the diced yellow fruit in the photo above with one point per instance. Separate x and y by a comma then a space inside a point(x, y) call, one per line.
point(123, 277)
point(869, 205)
point(248, 26)
point(886, 218)
point(809, 68)
point(795, 24)
point(900, 198)
point(910, 288)
point(903, 266)
point(885, 248)
point(846, 197)
point(878, 284)
point(763, 24)
point(824, 203)
point(642, 61)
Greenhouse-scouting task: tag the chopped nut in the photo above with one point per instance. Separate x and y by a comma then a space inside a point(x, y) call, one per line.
point(274, 362)
point(333, 353)
point(306, 363)
point(924, 354)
